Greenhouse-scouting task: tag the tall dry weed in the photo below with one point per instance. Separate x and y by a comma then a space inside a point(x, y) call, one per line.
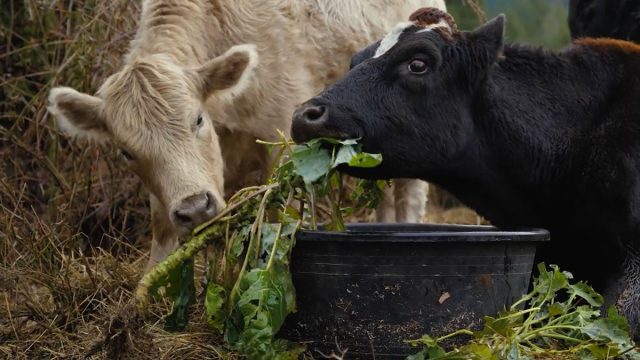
point(69, 213)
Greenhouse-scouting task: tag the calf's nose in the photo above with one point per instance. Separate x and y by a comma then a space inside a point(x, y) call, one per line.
point(308, 121)
point(312, 113)
point(194, 210)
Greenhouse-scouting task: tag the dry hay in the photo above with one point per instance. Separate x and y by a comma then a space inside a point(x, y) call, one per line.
point(74, 225)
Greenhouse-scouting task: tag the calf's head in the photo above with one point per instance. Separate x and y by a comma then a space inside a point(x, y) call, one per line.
point(408, 96)
point(154, 111)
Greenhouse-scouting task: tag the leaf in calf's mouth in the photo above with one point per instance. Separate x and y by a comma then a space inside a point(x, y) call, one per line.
point(317, 157)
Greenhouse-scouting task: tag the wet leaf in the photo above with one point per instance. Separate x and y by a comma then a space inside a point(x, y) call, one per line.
point(479, 351)
point(344, 155)
point(555, 309)
point(214, 304)
point(617, 320)
point(238, 239)
point(606, 329)
point(365, 160)
point(284, 171)
point(266, 297)
point(311, 161)
point(333, 141)
point(587, 293)
point(183, 294)
point(549, 282)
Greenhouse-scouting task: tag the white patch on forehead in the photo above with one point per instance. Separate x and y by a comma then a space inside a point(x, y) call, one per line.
point(391, 38)
point(441, 24)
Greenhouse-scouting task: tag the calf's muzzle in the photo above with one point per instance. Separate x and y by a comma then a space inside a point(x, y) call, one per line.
point(194, 210)
point(309, 121)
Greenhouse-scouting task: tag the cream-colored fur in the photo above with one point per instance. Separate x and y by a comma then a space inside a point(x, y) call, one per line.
point(191, 59)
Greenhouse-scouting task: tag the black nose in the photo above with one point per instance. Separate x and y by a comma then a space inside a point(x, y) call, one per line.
point(312, 113)
point(308, 122)
point(194, 210)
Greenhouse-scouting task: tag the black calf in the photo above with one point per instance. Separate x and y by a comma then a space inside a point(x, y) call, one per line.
point(525, 136)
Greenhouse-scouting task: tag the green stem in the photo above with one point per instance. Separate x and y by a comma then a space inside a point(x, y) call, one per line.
point(521, 312)
point(626, 351)
point(561, 337)
point(547, 328)
point(274, 248)
point(258, 227)
point(523, 299)
point(535, 347)
point(340, 189)
point(275, 143)
point(336, 213)
point(175, 259)
point(560, 318)
point(243, 191)
point(217, 255)
point(312, 206)
point(455, 333)
point(276, 164)
point(248, 255)
point(232, 207)
point(227, 262)
point(529, 322)
point(285, 142)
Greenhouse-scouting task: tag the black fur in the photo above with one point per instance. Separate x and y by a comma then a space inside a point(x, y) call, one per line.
point(525, 136)
point(619, 19)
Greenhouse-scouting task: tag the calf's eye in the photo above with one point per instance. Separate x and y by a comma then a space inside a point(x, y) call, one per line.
point(417, 66)
point(199, 121)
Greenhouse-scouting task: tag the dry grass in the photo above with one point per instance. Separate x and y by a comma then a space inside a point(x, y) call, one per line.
point(74, 225)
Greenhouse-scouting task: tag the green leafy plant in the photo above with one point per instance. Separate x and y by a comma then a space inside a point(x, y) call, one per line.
point(249, 291)
point(561, 321)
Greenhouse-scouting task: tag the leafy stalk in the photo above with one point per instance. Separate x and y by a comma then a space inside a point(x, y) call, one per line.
point(254, 244)
point(549, 328)
point(173, 261)
point(250, 304)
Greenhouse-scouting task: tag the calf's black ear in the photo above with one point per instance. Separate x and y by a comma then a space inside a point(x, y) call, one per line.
point(489, 38)
point(364, 54)
point(485, 47)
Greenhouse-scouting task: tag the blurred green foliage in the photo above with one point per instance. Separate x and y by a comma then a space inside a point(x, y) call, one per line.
point(536, 22)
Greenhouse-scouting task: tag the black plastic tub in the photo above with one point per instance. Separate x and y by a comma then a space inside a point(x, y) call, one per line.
point(375, 285)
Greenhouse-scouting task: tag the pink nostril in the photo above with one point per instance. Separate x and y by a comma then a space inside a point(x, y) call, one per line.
point(182, 216)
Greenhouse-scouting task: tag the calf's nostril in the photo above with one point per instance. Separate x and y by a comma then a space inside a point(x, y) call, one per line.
point(182, 217)
point(210, 207)
point(314, 113)
point(309, 121)
point(209, 201)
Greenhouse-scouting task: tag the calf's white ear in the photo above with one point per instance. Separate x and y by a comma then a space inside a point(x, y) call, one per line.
point(78, 114)
point(229, 74)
